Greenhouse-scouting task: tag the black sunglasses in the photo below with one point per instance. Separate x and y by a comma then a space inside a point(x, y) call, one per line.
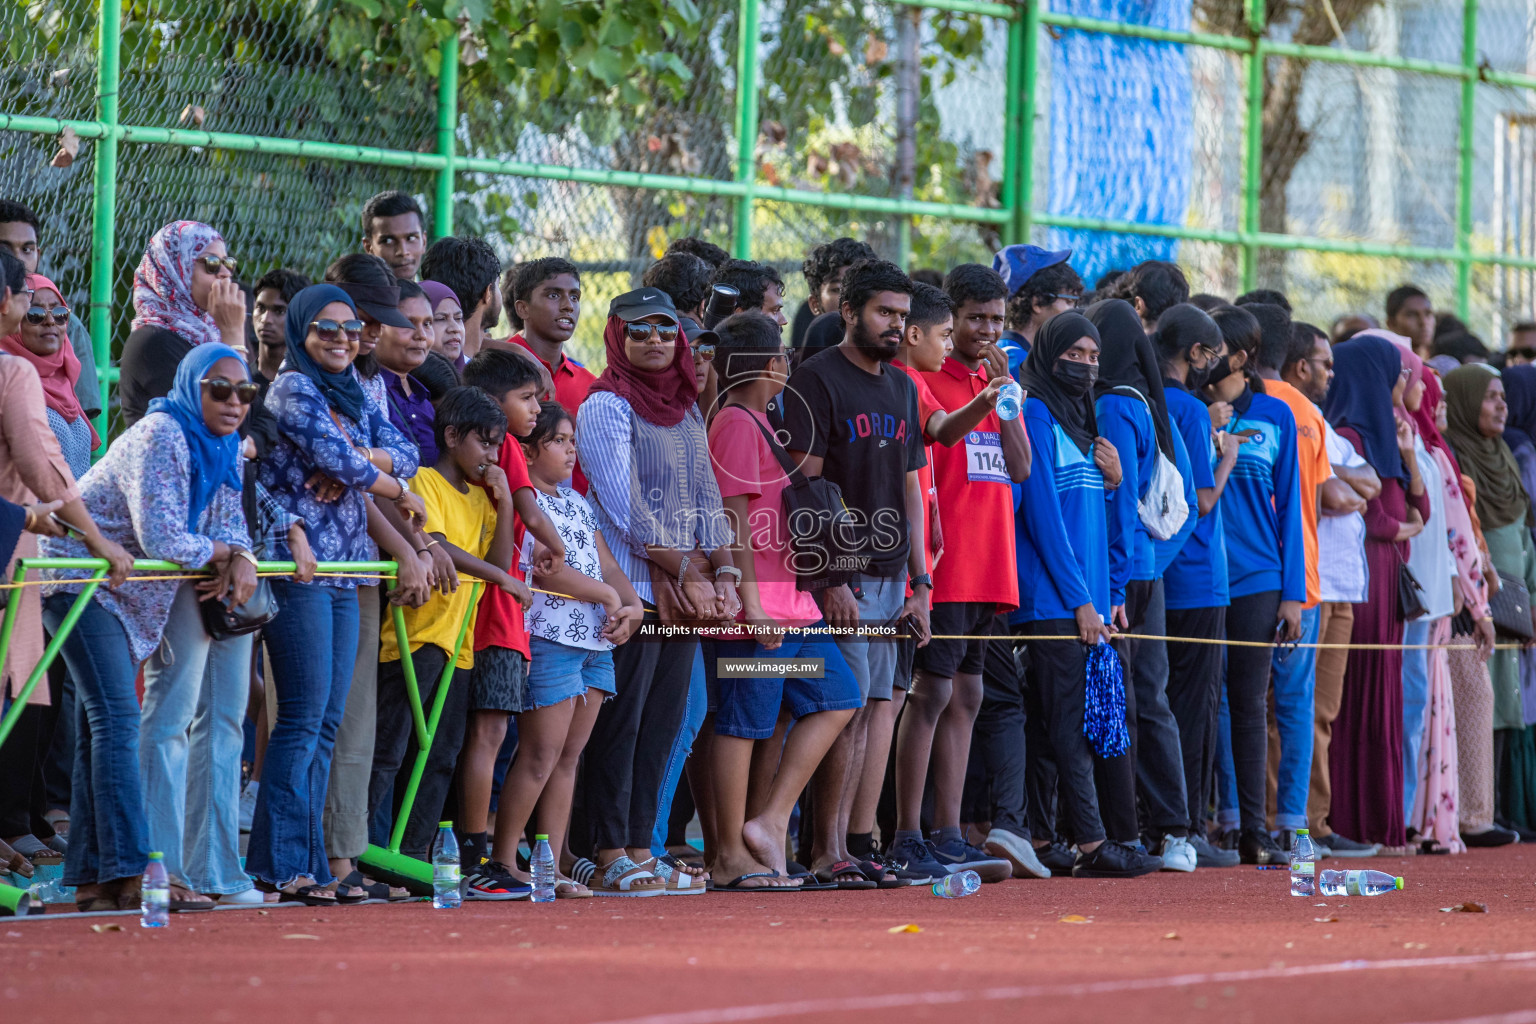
point(327, 329)
point(219, 389)
point(213, 263)
point(639, 330)
point(40, 315)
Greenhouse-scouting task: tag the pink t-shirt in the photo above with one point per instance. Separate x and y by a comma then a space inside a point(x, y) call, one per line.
point(745, 465)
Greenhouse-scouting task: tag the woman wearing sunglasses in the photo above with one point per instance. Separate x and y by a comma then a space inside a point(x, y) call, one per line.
point(641, 441)
point(169, 488)
point(184, 295)
point(325, 425)
point(43, 341)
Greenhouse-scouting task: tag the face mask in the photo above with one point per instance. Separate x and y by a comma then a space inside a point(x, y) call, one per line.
point(1197, 377)
point(1220, 372)
point(1076, 379)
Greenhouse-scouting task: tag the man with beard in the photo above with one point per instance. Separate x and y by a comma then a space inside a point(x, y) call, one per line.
point(853, 418)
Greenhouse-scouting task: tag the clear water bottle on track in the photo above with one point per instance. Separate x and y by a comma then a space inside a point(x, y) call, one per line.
point(1359, 883)
point(542, 866)
point(445, 869)
point(961, 883)
point(1303, 865)
point(155, 898)
point(1010, 400)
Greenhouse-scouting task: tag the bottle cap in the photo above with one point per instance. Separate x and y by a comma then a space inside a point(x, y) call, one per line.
point(1303, 832)
point(157, 855)
point(1399, 882)
point(445, 824)
point(536, 838)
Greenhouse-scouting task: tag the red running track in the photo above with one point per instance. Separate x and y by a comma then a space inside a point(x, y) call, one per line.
point(1229, 945)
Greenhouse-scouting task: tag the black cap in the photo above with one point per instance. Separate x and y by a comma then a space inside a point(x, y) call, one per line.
point(641, 303)
point(695, 332)
point(379, 301)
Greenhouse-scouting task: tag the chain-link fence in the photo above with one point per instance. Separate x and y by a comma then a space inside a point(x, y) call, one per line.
point(1332, 148)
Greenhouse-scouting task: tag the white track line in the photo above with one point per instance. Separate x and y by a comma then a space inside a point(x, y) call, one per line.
point(896, 1000)
point(1517, 1017)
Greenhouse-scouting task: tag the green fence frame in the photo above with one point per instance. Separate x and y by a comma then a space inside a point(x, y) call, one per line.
point(1016, 217)
point(17, 902)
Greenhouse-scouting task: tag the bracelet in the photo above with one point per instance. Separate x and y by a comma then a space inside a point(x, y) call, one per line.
point(682, 568)
point(430, 541)
point(242, 553)
point(728, 570)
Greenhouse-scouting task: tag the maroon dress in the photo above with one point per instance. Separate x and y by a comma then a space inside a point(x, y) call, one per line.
point(1365, 758)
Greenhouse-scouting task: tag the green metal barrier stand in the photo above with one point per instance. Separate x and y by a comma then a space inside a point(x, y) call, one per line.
point(17, 901)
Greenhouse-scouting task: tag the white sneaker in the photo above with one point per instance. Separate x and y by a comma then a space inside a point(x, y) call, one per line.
point(248, 804)
point(1178, 854)
point(1018, 852)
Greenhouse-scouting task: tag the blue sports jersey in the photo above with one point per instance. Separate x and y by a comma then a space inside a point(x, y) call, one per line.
point(1061, 526)
point(1165, 551)
point(1197, 576)
point(1126, 422)
point(1261, 505)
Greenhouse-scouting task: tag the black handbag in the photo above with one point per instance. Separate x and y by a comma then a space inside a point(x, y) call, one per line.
point(223, 622)
point(1410, 595)
point(816, 518)
point(1511, 608)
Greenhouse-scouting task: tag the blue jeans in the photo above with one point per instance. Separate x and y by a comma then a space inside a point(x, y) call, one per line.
point(108, 836)
point(195, 691)
point(1293, 676)
point(1415, 706)
point(693, 720)
point(313, 645)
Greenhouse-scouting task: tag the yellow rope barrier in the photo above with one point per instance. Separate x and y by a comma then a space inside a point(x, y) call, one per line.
point(170, 578)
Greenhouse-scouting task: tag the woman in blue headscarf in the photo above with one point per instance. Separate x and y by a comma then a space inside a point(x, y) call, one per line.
point(325, 426)
point(169, 488)
point(1365, 406)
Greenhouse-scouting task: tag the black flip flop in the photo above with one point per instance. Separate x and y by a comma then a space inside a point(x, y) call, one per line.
point(808, 881)
point(309, 896)
point(734, 885)
point(846, 867)
point(877, 872)
point(374, 890)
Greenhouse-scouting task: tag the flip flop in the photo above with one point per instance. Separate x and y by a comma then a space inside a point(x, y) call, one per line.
point(877, 872)
point(734, 885)
point(808, 881)
point(377, 890)
point(846, 867)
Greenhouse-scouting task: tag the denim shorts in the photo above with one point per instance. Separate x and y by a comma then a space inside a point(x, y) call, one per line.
point(557, 673)
point(749, 708)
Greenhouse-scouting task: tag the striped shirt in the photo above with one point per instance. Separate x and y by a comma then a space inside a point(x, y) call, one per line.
point(649, 485)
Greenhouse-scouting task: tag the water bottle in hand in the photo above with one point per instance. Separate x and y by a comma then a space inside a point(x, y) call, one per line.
point(1303, 865)
point(155, 894)
point(1359, 883)
point(542, 866)
point(961, 883)
point(1010, 399)
point(445, 869)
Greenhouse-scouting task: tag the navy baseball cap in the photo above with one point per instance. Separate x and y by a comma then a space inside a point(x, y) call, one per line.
point(1018, 263)
point(641, 303)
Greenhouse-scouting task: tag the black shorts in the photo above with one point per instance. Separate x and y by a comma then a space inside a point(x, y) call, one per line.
point(945, 658)
point(499, 680)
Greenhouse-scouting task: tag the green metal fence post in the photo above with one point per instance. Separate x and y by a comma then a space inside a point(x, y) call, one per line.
point(447, 130)
point(1253, 143)
point(40, 670)
point(1464, 164)
point(1019, 121)
point(104, 196)
point(746, 125)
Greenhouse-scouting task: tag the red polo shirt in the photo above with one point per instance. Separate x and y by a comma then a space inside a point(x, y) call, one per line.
point(975, 499)
point(927, 405)
point(572, 382)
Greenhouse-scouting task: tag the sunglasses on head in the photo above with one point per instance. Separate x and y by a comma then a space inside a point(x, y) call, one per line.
point(38, 315)
point(213, 263)
point(639, 330)
point(219, 389)
point(328, 329)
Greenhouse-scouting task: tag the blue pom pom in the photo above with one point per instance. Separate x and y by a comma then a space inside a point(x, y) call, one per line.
point(1104, 707)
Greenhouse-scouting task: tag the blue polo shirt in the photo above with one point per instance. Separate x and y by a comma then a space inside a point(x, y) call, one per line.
point(1197, 575)
point(1261, 505)
point(1126, 422)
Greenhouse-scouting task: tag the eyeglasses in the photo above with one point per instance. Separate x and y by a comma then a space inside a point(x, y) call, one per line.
point(706, 352)
point(327, 330)
point(219, 389)
point(639, 331)
point(213, 263)
point(1074, 299)
point(39, 315)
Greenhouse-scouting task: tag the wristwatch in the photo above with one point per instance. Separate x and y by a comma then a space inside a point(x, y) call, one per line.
point(924, 580)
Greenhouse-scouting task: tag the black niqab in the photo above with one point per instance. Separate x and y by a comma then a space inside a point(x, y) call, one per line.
point(1075, 415)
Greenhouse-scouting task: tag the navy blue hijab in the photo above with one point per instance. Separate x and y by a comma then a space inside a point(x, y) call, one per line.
point(1365, 371)
point(341, 390)
point(215, 460)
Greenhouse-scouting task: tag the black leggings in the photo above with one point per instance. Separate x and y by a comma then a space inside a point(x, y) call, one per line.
point(1252, 618)
point(1195, 674)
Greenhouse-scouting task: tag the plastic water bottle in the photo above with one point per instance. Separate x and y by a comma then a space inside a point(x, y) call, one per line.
point(961, 883)
point(155, 899)
point(542, 865)
point(1303, 865)
point(1010, 399)
point(1359, 883)
point(445, 869)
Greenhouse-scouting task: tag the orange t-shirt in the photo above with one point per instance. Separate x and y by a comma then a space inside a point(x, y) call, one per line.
point(1312, 452)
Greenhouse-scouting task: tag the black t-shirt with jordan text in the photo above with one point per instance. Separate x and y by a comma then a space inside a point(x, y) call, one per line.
point(866, 428)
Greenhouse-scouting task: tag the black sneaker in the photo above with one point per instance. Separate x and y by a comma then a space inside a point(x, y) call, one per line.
point(1228, 839)
point(493, 883)
point(1058, 857)
point(910, 859)
point(1257, 846)
point(1208, 856)
point(1488, 838)
point(1341, 846)
point(959, 855)
point(1114, 859)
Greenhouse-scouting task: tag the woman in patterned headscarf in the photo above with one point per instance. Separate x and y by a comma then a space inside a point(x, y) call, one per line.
point(184, 295)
